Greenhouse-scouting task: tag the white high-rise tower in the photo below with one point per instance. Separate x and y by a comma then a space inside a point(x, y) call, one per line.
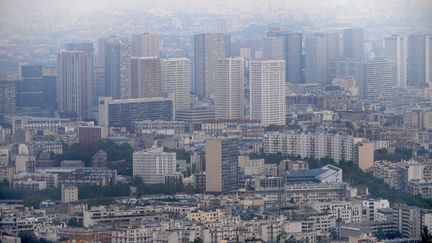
point(267, 91)
point(229, 92)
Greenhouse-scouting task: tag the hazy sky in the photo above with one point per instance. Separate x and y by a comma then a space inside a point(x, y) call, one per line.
point(21, 7)
point(22, 11)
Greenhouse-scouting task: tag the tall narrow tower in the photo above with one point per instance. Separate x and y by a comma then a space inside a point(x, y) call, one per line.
point(267, 91)
point(229, 91)
point(208, 48)
point(75, 75)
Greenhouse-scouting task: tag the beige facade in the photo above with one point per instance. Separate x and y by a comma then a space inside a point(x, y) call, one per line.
point(210, 216)
point(69, 194)
point(365, 156)
point(145, 77)
point(213, 165)
point(222, 164)
point(145, 45)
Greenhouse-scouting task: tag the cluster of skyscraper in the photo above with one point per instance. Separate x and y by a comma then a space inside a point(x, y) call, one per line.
point(122, 72)
point(127, 70)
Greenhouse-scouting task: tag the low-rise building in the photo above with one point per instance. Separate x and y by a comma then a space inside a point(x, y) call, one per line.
point(308, 193)
point(346, 211)
point(154, 165)
point(82, 175)
point(325, 174)
point(420, 187)
point(291, 166)
point(206, 216)
point(29, 185)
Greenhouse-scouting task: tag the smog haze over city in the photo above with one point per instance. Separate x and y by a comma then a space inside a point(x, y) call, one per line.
point(219, 121)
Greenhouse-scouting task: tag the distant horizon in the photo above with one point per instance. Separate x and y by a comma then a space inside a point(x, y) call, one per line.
point(18, 10)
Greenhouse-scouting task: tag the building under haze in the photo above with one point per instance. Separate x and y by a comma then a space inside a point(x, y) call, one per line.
point(85, 46)
point(378, 80)
point(145, 77)
point(7, 96)
point(175, 80)
point(273, 48)
point(29, 88)
point(145, 45)
point(419, 60)
point(229, 90)
point(348, 69)
point(353, 43)
point(114, 53)
point(75, 76)
point(221, 163)
point(89, 49)
point(316, 59)
point(333, 45)
point(395, 50)
point(332, 48)
point(208, 48)
point(292, 52)
point(267, 91)
point(49, 88)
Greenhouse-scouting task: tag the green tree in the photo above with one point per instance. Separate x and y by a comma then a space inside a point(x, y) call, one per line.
point(63, 239)
point(334, 235)
point(198, 240)
point(74, 222)
point(399, 154)
point(180, 154)
point(30, 237)
point(34, 200)
point(85, 152)
point(94, 191)
point(354, 175)
point(4, 183)
point(168, 189)
point(99, 201)
point(137, 180)
point(426, 237)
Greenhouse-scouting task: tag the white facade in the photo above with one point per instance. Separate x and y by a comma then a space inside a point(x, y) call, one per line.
point(321, 145)
point(374, 205)
point(22, 162)
point(4, 157)
point(267, 91)
point(228, 90)
point(395, 50)
point(415, 170)
point(133, 235)
point(347, 211)
point(254, 167)
point(427, 220)
point(175, 76)
point(153, 165)
point(378, 80)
